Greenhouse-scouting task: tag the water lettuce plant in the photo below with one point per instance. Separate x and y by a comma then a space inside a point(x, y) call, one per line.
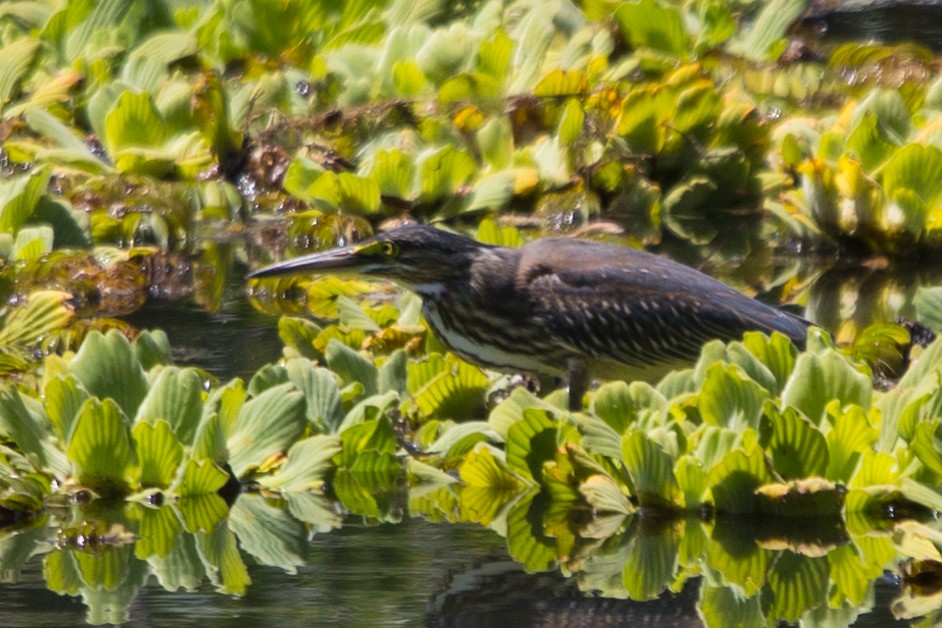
point(870, 171)
point(662, 116)
point(116, 421)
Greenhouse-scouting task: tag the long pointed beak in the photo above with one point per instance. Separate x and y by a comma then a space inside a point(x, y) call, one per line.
point(344, 259)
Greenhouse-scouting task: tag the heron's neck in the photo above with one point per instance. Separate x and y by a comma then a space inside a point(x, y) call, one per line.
point(432, 291)
point(455, 277)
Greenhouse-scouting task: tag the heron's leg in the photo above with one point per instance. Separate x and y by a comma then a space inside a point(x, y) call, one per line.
point(578, 376)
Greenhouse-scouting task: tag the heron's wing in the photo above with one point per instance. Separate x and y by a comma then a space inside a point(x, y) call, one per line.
point(640, 309)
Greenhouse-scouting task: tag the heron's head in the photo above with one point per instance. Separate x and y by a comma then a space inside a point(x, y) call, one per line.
point(413, 256)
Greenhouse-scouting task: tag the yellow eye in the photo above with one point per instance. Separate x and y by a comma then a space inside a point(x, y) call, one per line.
point(389, 249)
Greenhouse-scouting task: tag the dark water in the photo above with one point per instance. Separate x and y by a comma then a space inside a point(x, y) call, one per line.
point(413, 573)
point(233, 342)
point(356, 576)
point(886, 21)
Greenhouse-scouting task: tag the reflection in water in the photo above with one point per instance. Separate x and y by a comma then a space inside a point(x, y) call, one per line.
point(359, 576)
point(233, 342)
point(181, 564)
point(847, 300)
point(889, 22)
point(503, 594)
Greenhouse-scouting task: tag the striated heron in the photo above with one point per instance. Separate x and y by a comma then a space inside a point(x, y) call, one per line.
point(559, 307)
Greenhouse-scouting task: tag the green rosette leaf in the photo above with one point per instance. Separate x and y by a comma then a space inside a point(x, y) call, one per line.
point(927, 446)
point(820, 377)
point(620, 404)
point(648, 24)
point(23, 420)
point(850, 436)
point(531, 441)
point(64, 397)
point(107, 367)
point(100, 449)
point(604, 495)
point(159, 453)
point(308, 462)
point(23, 327)
point(200, 477)
point(351, 366)
point(798, 449)
point(651, 470)
point(456, 390)
point(733, 481)
point(324, 409)
point(729, 398)
point(19, 197)
point(176, 397)
point(928, 302)
point(483, 468)
point(266, 425)
point(691, 479)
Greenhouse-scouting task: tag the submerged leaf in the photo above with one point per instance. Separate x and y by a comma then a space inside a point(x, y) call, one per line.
point(269, 534)
point(219, 552)
point(797, 584)
point(651, 562)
